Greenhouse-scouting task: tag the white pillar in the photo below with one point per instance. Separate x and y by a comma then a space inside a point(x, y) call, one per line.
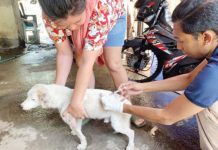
point(10, 26)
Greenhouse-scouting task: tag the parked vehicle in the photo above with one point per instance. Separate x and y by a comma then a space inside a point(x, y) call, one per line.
point(156, 48)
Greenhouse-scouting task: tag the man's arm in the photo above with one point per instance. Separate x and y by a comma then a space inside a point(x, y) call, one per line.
point(176, 83)
point(63, 62)
point(179, 109)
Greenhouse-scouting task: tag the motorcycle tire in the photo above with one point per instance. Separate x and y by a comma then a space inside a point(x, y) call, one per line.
point(143, 72)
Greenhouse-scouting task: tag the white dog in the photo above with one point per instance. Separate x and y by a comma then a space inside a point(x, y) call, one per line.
point(58, 97)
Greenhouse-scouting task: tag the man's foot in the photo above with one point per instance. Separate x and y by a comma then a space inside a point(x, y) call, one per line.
point(138, 122)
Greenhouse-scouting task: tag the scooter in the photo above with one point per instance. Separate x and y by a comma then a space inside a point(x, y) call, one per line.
point(156, 49)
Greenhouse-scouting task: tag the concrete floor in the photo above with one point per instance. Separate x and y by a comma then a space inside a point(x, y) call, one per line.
point(44, 129)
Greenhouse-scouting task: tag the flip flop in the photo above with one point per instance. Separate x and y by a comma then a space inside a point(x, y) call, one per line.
point(138, 122)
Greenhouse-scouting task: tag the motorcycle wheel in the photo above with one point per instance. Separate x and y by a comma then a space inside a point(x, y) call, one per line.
point(148, 68)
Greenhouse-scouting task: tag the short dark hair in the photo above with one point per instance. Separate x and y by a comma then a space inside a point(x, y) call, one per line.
point(60, 9)
point(197, 16)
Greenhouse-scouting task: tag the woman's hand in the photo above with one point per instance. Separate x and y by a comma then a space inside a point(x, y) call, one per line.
point(76, 109)
point(131, 88)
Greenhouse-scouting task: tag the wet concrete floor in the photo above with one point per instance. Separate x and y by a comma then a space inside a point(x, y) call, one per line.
point(44, 129)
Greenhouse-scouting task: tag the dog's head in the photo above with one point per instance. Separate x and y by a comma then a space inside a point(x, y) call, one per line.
point(38, 95)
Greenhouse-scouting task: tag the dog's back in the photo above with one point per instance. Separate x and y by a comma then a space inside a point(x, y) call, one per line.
point(92, 102)
point(94, 107)
point(91, 99)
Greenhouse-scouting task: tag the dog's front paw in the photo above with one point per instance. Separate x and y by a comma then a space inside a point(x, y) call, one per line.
point(73, 132)
point(81, 146)
point(130, 147)
point(106, 120)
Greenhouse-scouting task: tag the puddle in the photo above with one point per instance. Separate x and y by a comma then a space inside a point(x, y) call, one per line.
point(10, 54)
point(7, 55)
point(38, 47)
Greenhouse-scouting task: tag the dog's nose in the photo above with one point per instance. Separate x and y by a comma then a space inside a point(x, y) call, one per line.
point(21, 105)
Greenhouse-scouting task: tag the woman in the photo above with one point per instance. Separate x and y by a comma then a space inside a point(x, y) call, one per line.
point(97, 29)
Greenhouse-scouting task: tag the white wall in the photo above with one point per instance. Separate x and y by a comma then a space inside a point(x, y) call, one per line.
point(9, 24)
point(173, 4)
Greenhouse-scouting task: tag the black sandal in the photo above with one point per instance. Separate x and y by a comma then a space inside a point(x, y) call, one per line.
point(85, 121)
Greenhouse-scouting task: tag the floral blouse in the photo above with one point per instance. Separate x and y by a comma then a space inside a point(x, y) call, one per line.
point(102, 20)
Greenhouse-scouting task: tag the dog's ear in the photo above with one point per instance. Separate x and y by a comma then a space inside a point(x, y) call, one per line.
point(42, 92)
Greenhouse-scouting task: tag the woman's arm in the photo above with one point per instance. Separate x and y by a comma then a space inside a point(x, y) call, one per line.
point(82, 80)
point(63, 62)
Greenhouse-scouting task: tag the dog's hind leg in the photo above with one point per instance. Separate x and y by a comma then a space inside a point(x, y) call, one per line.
point(68, 119)
point(121, 124)
point(76, 126)
point(82, 138)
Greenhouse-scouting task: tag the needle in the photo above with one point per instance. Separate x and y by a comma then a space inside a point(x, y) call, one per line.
point(116, 92)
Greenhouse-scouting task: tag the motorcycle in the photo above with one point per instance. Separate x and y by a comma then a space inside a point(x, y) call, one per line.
point(155, 52)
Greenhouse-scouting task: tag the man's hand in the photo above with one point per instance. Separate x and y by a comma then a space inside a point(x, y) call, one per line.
point(130, 88)
point(76, 110)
